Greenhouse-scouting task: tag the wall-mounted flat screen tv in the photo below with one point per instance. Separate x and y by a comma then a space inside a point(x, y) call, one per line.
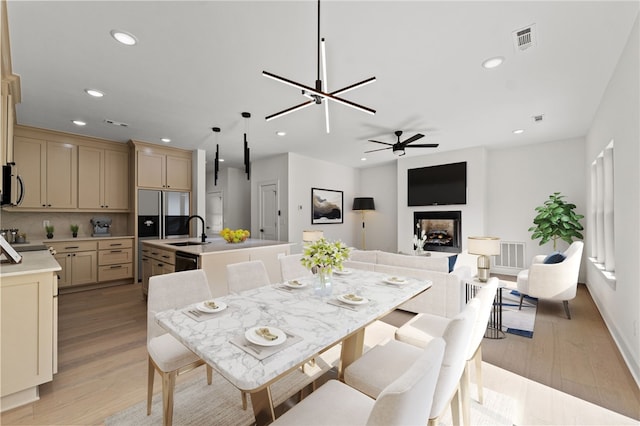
point(438, 185)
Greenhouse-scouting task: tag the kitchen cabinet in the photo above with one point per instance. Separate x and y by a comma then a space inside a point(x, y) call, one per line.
point(28, 318)
point(103, 179)
point(115, 259)
point(49, 172)
point(163, 171)
point(79, 262)
point(155, 261)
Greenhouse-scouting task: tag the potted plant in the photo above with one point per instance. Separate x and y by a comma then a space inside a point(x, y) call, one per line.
point(74, 230)
point(555, 220)
point(323, 257)
point(49, 229)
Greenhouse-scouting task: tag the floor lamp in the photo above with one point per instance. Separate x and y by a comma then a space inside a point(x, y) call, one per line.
point(483, 247)
point(363, 204)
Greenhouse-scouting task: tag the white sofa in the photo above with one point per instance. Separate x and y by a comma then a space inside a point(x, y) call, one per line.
point(446, 295)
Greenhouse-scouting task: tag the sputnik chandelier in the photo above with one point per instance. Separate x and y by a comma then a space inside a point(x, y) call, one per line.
point(320, 94)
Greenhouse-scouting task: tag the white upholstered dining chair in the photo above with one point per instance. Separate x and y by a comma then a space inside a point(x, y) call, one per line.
point(243, 276)
point(291, 268)
point(423, 327)
point(404, 401)
point(553, 281)
point(384, 363)
point(167, 356)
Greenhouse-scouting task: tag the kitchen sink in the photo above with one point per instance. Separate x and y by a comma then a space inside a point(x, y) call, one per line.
point(188, 243)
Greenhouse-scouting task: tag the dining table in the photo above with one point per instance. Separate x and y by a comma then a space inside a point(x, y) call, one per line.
point(255, 337)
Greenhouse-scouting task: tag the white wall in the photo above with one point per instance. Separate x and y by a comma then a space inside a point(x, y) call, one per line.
point(617, 120)
point(522, 178)
point(306, 173)
point(380, 231)
point(473, 213)
point(236, 197)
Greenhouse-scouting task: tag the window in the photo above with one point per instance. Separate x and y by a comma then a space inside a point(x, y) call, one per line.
point(602, 251)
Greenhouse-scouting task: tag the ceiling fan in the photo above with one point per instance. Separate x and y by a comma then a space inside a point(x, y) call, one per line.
point(319, 94)
point(398, 147)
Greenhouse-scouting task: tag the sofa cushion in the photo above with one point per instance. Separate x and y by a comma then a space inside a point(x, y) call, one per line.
point(555, 257)
point(439, 264)
point(369, 256)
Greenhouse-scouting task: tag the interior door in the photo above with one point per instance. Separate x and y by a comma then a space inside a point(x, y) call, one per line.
point(269, 212)
point(214, 211)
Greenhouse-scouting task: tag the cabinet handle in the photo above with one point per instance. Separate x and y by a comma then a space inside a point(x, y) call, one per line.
point(116, 245)
point(153, 252)
point(72, 247)
point(116, 251)
point(166, 257)
point(116, 267)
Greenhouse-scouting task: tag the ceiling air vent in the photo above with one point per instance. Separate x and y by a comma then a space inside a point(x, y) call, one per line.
point(116, 123)
point(524, 38)
point(538, 118)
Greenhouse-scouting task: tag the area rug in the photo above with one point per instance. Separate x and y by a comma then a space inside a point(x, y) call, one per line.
point(197, 404)
point(515, 321)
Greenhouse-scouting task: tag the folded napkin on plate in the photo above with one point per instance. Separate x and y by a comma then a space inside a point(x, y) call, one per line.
point(352, 297)
point(210, 304)
point(266, 333)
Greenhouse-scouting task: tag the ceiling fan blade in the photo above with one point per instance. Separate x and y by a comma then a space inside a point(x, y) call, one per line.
point(424, 145)
point(384, 143)
point(319, 93)
point(289, 110)
point(374, 150)
point(413, 138)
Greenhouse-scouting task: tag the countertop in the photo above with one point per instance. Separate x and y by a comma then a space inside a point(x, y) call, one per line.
point(212, 245)
point(33, 262)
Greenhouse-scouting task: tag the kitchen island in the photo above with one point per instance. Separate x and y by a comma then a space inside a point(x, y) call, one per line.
point(29, 318)
point(213, 256)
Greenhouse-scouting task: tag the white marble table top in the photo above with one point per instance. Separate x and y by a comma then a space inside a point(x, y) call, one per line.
point(298, 311)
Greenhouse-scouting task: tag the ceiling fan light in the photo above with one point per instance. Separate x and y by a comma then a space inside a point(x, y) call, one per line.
point(399, 152)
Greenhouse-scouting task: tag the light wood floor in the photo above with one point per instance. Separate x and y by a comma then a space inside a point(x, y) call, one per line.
point(102, 359)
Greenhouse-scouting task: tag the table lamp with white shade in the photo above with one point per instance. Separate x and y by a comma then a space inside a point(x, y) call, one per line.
point(311, 236)
point(483, 247)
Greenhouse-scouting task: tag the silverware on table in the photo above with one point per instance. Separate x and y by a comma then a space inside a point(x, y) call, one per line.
point(195, 313)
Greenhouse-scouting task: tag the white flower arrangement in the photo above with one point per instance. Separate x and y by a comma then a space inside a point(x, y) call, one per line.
point(418, 243)
point(325, 255)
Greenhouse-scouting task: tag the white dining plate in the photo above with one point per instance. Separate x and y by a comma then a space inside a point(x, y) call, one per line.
point(295, 284)
point(395, 280)
point(255, 338)
point(342, 272)
point(207, 308)
point(352, 299)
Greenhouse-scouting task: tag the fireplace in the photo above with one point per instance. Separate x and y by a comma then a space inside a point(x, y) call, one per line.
point(442, 229)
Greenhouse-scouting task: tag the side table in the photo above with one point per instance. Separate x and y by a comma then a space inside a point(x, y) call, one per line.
point(494, 327)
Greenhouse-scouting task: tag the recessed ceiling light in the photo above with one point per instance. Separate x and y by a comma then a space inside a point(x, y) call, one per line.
point(79, 122)
point(165, 140)
point(93, 92)
point(221, 160)
point(493, 62)
point(124, 37)
point(363, 159)
point(281, 133)
point(518, 131)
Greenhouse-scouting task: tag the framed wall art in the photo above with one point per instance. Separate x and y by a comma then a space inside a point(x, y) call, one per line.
point(327, 206)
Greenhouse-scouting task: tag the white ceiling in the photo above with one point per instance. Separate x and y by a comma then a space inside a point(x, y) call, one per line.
point(198, 65)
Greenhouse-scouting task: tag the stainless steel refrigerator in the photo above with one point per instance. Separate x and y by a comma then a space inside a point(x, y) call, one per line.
point(161, 214)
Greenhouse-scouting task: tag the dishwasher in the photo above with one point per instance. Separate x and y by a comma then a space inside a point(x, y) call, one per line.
point(186, 261)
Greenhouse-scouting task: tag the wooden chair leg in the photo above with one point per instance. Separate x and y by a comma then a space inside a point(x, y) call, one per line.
point(478, 359)
point(566, 308)
point(168, 384)
point(244, 400)
point(150, 376)
point(465, 384)
point(209, 375)
point(455, 408)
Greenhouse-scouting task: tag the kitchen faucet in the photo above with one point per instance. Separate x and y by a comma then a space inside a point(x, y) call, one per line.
point(203, 237)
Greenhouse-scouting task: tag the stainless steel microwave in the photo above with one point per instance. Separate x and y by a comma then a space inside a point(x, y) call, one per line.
point(12, 186)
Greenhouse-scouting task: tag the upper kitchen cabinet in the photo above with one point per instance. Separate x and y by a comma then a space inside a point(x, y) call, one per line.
point(162, 168)
point(49, 171)
point(103, 179)
point(67, 172)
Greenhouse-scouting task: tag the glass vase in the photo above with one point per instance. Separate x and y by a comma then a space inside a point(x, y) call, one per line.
point(322, 283)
